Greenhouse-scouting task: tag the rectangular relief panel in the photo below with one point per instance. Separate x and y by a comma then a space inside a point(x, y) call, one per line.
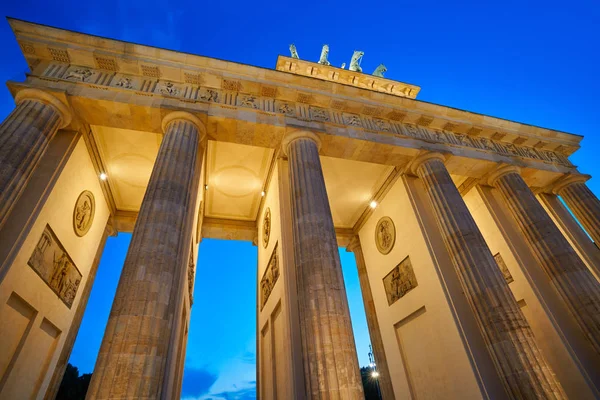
point(399, 281)
point(53, 264)
point(17, 318)
point(503, 268)
point(269, 279)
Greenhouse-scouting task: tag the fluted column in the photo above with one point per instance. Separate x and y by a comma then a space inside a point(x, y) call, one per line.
point(139, 340)
point(582, 202)
point(330, 362)
point(24, 137)
point(385, 381)
point(510, 340)
point(570, 276)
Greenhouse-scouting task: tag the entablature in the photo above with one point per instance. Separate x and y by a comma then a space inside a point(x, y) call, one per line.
point(68, 58)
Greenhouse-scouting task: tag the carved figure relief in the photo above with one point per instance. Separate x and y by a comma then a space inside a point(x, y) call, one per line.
point(399, 281)
point(503, 268)
point(79, 74)
point(319, 114)
point(285, 108)
point(351, 119)
point(267, 283)
point(170, 89)
point(247, 101)
point(209, 95)
point(382, 125)
point(83, 213)
point(266, 228)
point(191, 275)
point(52, 263)
point(385, 235)
point(125, 83)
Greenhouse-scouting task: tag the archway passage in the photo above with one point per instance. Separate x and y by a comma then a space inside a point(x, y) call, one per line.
point(221, 349)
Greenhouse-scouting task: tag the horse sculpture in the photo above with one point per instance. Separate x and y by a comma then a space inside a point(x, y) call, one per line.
point(324, 53)
point(354, 62)
point(380, 70)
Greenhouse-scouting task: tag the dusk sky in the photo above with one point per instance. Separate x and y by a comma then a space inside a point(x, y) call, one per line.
point(532, 62)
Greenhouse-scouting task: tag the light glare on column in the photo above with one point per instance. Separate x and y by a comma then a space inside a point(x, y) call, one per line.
point(103, 176)
point(373, 204)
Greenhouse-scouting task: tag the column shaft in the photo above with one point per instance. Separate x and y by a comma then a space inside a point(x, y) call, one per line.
point(586, 207)
point(510, 340)
point(139, 338)
point(24, 137)
point(385, 381)
point(571, 278)
point(330, 361)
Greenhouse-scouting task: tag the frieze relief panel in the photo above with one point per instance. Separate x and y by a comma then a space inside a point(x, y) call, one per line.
point(230, 94)
point(269, 279)
point(399, 281)
point(53, 264)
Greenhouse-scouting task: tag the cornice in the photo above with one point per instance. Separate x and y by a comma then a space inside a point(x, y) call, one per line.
point(46, 45)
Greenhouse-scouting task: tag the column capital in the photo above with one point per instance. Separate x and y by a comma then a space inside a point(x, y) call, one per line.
point(66, 115)
point(298, 134)
point(492, 177)
point(186, 116)
point(568, 179)
point(424, 157)
point(353, 245)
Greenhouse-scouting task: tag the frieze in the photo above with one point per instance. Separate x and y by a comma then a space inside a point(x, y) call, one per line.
point(399, 281)
point(392, 124)
point(269, 279)
point(53, 264)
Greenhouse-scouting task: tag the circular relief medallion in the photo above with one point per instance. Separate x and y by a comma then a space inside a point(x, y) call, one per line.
point(385, 235)
point(83, 214)
point(266, 228)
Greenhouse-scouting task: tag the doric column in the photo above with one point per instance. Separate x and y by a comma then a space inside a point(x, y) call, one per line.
point(582, 202)
point(330, 362)
point(385, 381)
point(519, 361)
point(139, 338)
point(24, 136)
point(571, 278)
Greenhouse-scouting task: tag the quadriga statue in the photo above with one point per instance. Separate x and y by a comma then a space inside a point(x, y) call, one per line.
point(380, 70)
point(324, 53)
point(293, 51)
point(354, 62)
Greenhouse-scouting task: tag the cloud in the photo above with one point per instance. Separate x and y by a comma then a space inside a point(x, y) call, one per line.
point(242, 394)
point(197, 382)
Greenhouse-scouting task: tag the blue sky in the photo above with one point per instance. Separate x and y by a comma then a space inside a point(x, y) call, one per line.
point(529, 61)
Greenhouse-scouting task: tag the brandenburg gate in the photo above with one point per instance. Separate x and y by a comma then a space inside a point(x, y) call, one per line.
point(474, 237)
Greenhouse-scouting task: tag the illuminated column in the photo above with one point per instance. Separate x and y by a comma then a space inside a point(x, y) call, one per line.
point(137, 350)
point(330, 362)
point(385, 382)
point(509, 338)
point(582, 202)
point(24, 137)
point(571, 278)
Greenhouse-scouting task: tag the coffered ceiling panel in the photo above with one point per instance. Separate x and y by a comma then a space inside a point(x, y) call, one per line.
point(351, 186)
point(236, 177)
point(128, 157)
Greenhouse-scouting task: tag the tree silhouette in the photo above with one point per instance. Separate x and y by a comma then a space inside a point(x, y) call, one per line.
point(369, 384)
point(73, 386)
